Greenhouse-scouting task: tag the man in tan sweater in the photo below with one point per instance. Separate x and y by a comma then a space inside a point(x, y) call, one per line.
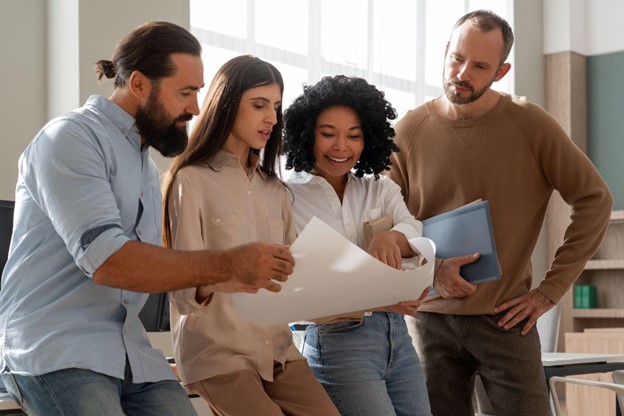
point(474, 142)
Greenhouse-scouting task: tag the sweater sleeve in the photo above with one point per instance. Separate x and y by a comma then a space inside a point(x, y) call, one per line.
point(399, 169)
point(573, 175)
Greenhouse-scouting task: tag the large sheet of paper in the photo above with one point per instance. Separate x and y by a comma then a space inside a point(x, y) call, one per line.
point(334, 276)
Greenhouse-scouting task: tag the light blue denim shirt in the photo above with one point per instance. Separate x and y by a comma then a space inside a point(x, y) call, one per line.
point(85, 188)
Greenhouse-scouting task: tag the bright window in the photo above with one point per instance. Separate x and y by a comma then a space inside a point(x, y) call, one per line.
point(398, 45)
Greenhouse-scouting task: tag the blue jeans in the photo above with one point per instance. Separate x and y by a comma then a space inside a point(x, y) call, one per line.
point(368, 368)
point(78, 392)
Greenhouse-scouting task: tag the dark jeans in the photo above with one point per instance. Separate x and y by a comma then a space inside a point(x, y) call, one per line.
point(454, 347)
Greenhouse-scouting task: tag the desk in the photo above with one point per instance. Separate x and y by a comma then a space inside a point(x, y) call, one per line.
point(569, 364)
point(8, 406)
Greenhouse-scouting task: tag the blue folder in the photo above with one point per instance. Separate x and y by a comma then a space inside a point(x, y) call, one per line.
point(463, 231)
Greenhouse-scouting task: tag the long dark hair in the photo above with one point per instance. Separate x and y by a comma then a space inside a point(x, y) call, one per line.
point(148, 49)
point(216, 120)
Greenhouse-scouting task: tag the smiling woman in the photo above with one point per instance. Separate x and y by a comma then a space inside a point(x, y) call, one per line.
point(338, 145)
point(337, 131)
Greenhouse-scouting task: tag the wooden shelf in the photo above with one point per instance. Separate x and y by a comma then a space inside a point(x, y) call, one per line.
point(610, 264)
point(606, 272)
point(598, 313)
point(617, 216)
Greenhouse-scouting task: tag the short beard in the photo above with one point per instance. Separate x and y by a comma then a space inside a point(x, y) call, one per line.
point(158, 129)
point(456, 98)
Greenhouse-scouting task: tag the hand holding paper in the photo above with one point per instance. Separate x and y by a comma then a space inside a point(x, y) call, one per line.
point(334, 276)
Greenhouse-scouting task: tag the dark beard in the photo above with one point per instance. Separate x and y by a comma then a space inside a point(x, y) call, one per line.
point(457, 98)
point(159, 130)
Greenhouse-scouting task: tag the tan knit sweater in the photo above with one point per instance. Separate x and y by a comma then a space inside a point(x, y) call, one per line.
point(513, 157)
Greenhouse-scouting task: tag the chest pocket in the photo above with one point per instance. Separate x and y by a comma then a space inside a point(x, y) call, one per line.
point(371, 214)
point(221, 231)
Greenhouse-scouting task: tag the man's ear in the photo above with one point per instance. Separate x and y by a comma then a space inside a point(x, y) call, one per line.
point(502, 71)
point(139, 85)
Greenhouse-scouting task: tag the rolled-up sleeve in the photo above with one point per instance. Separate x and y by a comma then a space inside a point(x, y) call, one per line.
point(69, 180)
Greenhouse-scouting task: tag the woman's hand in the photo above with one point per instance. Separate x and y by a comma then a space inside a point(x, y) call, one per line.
point(387, 247)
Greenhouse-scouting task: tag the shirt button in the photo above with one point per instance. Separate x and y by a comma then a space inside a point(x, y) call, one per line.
point(125, 300)
point(218, 220)
point(248, 192)
point(267, 342)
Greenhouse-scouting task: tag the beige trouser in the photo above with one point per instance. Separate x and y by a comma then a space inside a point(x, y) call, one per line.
point(293, 391)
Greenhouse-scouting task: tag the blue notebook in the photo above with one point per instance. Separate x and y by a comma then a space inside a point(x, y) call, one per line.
point(462, 231)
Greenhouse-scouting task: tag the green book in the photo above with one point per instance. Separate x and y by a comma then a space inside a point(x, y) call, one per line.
point(585, 296)
point(578, 302)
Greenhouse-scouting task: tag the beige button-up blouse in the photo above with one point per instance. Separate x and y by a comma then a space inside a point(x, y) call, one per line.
point(215, 205)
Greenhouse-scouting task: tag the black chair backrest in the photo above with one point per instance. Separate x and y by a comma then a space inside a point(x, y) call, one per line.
point(6, 228)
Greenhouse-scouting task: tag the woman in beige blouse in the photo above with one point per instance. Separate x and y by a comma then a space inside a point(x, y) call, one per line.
point(220, 193)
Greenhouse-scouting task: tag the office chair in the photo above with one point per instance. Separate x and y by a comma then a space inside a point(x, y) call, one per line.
point(617, 386)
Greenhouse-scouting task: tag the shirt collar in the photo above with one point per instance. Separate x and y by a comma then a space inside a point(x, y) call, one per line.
point(304, 177)
point(223, 159)
point(118, 116)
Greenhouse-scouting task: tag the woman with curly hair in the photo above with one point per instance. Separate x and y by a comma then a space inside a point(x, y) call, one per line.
point(222, 191)
point(338, 139)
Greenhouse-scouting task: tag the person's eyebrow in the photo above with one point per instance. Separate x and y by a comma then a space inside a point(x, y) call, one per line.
point(266, 100)
point(331, 126)
point(192, 87)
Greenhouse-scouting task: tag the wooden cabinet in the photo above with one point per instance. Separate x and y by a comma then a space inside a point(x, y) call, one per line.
point(598, 330)
point(605, 271)
point(584, 400)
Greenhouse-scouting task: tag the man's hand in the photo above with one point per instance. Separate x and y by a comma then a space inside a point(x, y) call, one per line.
point(256, 266)
point(530, 306)
point(447, 280)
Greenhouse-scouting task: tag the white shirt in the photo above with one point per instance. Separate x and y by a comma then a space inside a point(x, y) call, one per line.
point(364, 199)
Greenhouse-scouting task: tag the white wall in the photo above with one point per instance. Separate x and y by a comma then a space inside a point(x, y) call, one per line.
point(48, 49)
point(22, 83)
point(587, 27)
point(528, 71)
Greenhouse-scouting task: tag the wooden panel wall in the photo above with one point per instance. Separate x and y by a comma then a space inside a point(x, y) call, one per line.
point(566, 99)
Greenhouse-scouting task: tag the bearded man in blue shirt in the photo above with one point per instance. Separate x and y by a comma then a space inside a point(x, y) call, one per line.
point(85, 250)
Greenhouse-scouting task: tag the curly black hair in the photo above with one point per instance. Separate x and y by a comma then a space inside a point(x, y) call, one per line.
point(365, 99)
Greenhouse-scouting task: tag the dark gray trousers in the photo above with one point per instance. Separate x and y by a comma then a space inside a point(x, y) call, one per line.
point(453, 348)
